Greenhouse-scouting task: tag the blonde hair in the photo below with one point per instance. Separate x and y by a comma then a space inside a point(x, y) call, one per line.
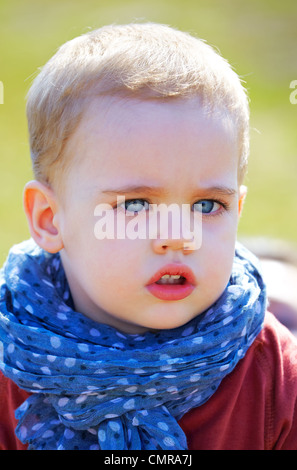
point(150, 61)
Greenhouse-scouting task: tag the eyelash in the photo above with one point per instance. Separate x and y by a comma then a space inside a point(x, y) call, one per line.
point(223, 206)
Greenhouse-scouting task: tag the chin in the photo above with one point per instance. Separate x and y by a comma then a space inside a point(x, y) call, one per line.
point(169, 318)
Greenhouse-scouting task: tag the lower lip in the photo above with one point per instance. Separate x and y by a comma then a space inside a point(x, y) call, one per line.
point(171, 292)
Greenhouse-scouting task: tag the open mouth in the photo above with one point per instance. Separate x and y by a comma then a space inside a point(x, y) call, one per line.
point(172, 279)
point(172, 282)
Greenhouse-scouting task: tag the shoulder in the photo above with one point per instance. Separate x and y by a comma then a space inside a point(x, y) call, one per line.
point(255, 407)
point(276, 351)
point(11, 397)
point(276, 347)
point(272, 358)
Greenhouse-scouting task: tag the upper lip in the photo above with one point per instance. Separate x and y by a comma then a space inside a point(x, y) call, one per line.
point(174, 269)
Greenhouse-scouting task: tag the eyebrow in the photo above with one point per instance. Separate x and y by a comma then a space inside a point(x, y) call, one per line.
point(154, 190)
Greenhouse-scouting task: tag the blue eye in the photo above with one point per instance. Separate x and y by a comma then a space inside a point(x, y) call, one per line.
point(135, 205)
point(206, 206)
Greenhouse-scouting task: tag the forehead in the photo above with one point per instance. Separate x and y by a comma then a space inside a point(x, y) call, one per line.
point(158, 142)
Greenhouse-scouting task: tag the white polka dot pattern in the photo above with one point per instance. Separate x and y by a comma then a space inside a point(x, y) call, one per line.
point(97, 388)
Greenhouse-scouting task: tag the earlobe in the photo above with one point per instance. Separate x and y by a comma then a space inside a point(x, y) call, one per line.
point(242, 196)
point(41, 210)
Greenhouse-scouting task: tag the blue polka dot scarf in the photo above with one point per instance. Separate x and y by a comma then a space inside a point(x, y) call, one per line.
point(94, 387)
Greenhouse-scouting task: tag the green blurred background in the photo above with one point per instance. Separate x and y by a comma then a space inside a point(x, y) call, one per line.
point(258, 37)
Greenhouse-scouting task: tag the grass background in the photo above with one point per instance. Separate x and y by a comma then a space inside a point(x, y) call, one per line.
point(258, 37)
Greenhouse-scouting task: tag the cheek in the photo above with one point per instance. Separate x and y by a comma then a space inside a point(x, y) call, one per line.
point(217, 250)
point(116, 263)
point(219, 234)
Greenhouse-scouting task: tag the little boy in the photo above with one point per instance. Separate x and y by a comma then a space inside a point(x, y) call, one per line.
point(140, 338)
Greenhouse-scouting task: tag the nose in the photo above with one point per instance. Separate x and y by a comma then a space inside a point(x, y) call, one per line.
point(162, 246)
point(172, 231)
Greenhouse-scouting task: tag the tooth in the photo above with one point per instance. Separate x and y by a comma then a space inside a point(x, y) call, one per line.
point(169, 279)
point(170, 276)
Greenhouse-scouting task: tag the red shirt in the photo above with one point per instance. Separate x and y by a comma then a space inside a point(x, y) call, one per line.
point(254, 408)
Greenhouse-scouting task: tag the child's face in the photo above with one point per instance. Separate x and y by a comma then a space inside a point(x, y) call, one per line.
point(166, 152)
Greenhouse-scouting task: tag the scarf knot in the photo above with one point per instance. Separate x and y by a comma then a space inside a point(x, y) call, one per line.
point(94, 387)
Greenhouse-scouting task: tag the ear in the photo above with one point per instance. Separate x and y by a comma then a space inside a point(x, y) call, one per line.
point(242, 196)
point(40, 206)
